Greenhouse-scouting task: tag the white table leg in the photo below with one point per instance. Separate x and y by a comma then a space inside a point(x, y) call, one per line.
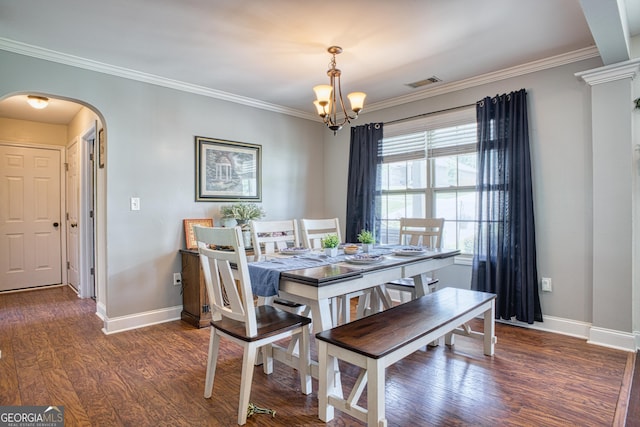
point(322, 321)
point(490, 329)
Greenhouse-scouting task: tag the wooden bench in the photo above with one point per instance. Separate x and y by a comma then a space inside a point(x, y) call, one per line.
point(378, 341)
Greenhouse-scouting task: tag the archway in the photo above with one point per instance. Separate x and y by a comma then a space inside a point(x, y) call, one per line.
point(71, 127)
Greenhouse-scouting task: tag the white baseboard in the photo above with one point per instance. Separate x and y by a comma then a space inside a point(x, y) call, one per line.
point(139, 320)
point(557, 325)
point(598, 336)
point(614, 339)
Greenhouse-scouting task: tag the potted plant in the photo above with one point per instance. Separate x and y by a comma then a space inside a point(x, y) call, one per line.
point(242, 212)
point(330, 244)
point(366, 238)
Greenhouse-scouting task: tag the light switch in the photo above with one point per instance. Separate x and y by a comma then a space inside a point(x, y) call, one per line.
point(135, 203)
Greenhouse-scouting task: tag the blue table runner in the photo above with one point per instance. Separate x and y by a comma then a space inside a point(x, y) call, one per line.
point(265, 275)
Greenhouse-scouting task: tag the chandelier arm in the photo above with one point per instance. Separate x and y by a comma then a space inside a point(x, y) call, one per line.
point(344, 110)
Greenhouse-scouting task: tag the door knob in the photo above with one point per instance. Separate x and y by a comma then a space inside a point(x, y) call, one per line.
point(55, 225)
point(74, 224)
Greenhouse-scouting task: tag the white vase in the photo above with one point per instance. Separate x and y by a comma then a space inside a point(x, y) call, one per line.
point(331, 252)
point(367, 247)
point(228, 222)
point(246, 237)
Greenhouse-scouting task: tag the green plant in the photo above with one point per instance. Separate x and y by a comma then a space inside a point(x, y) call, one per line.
point(330, 241)
point(242, 211)
point(366, 237)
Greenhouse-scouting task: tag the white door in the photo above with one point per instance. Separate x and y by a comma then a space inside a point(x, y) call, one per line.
point(72, 209)
point(30, 235)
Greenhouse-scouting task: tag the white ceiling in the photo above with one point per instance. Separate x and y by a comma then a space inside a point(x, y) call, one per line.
point(273, 52)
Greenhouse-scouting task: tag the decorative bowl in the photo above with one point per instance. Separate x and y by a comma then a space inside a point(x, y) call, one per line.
point(351, 249)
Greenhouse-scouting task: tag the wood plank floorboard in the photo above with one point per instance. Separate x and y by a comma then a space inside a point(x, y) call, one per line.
point(54, 353)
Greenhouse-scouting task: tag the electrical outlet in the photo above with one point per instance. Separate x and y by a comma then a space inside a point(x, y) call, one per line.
point(177, 279)
point(546, 284)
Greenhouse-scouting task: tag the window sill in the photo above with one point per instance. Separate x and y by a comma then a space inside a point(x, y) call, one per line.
point(463, 260)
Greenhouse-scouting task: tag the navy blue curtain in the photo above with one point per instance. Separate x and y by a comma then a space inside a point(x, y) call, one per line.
point(362, 184)
point(504, 261)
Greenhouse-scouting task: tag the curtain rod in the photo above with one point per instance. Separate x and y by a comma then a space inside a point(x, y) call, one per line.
point(428, 114)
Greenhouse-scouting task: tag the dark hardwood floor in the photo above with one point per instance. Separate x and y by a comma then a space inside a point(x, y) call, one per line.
point(54, 353)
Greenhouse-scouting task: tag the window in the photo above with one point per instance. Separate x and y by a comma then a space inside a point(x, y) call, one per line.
point(429, 170)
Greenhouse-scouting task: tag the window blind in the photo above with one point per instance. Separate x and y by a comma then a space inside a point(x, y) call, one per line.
point(443, 134)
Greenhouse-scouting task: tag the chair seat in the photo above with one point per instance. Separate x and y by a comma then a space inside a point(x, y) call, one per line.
point(407, 282)
point(287, 303)
point(270, 321)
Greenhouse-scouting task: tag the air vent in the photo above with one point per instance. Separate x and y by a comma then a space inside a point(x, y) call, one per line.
point(430, 80)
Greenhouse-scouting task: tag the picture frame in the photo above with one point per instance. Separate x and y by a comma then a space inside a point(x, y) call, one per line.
point(190, 238)
point(227, 171)
point(101, 148)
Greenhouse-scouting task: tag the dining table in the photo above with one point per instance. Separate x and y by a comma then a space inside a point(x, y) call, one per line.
point(314, 279)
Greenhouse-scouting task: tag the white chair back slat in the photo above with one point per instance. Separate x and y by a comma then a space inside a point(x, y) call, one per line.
point(228, 288)
point(314, 230)
point(271, 236)
point(421, 231)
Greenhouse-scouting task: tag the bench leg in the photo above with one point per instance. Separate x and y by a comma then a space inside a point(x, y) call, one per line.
point(375, 393)
point(325, 382)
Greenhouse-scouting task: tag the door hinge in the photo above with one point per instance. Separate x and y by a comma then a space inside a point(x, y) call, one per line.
point(91, 157)
point(92, 271)
point(68, 265)
point(205, 308)
point(67, 216)
point(66, 167)
point(90, 214)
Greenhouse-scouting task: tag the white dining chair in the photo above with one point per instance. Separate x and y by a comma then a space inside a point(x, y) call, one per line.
point(235, 318)
point(426, 232)
point(314, 230)
point(269, 237)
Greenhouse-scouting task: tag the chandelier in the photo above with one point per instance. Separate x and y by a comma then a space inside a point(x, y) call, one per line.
point(329, 97)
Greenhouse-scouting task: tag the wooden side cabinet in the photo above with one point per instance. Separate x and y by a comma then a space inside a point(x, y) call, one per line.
point(195, 304)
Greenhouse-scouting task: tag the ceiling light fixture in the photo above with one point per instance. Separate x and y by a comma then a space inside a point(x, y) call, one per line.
point(328, 97)
point(38, 102)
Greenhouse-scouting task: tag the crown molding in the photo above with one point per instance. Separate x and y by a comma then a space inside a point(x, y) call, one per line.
point(518, 70)
point(623, 70)
point(88, 64)
point(75, 61)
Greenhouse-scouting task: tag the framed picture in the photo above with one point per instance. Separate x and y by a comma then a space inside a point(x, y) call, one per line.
point(101, 152)
point(188, 230)
point(227, 171)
